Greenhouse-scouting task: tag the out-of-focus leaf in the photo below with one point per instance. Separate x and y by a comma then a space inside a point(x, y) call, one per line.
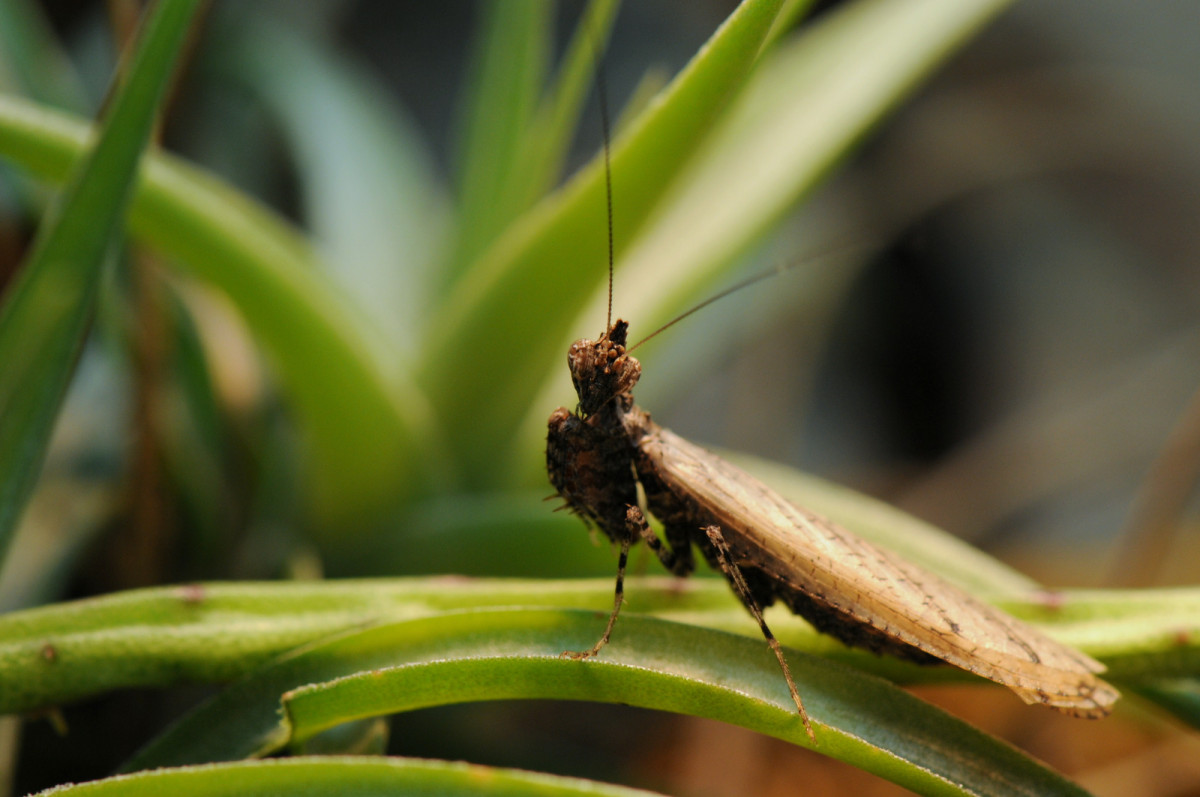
point(510, 313)
point(38, 66)
point(1180, 696)
point(810, 101)
point(195, 442)
point(509, 63)
point(359, 737)
point(368, 430)
point(513, 533)
point(544, 148)
point(45, 316)
point(371, 198)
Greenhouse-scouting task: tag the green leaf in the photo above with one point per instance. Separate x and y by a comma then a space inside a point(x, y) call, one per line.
point(509, 62)
point(45, 316)
point(539, 259)
point(340, 777)
point(369, 431)
point(216, 633)
point(371, 199)
point(544, 148)
point(157, 637)
point(510, 654)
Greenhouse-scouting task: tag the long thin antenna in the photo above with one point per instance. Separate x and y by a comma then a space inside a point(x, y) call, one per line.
point(848, 248)
point(602, 92)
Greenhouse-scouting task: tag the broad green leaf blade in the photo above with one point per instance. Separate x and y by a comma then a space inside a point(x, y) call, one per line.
point(216, 633)
point(46, 314)
point(509, 64)
point(368, 430)
point(807, 105)
point(507, 319)
point(510, 654)
point(341, 777)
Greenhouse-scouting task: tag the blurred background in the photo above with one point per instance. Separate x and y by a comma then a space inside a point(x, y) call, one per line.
point(1018, 364)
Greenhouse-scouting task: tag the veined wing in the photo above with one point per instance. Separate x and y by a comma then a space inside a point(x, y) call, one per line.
point(874, 587)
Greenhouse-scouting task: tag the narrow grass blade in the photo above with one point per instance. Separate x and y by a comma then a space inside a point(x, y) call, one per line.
point(509, 64)
point(46, 314)
point(544, 148)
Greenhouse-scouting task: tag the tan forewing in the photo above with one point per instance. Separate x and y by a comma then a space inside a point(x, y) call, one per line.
point(871, 586)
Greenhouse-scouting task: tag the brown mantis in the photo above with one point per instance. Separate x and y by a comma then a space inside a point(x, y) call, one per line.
point(771, 550)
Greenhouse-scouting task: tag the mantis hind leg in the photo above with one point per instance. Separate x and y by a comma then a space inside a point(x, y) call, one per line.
point(734, 574)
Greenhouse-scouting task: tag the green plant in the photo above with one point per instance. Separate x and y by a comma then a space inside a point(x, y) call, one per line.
point(434, 420)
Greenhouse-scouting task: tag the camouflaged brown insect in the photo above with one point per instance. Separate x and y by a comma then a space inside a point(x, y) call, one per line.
point(771, 550)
